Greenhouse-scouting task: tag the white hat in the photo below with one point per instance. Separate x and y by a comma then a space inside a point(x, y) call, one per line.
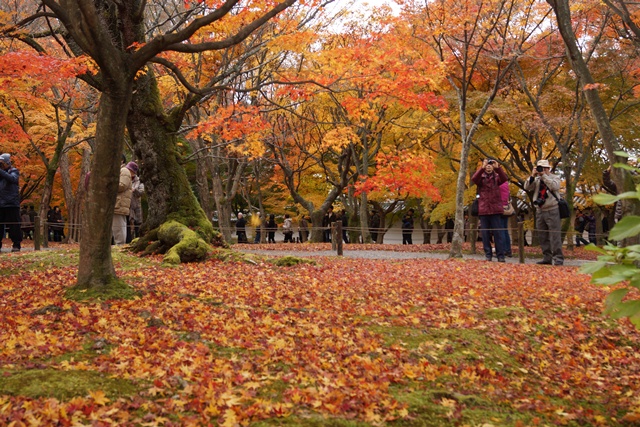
point(544, 163)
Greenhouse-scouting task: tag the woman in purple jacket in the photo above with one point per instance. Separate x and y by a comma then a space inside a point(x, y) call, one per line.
point(488, 178)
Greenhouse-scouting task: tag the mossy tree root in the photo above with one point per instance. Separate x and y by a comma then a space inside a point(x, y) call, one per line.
point(177, 242)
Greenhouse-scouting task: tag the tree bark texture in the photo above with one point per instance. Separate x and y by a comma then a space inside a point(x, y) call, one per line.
point(622, 179)
point(167, 187)
point(95, 269)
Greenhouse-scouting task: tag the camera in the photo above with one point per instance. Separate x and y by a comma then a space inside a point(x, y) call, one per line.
point(539, 168)
point(538, 202)
point(491, 162)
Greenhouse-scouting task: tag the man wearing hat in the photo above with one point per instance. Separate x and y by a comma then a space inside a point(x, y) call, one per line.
point(123, 203)
point(545, 186)
point(9, 202)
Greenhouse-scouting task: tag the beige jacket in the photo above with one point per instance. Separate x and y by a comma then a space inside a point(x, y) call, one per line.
point(553, 184)
point(125, 189)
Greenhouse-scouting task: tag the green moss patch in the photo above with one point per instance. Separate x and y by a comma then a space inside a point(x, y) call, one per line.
point(312, 420)
point(115, 289)
point(186, 245)
point(447, 346)
point(63, 385)
point(40, 261)
point(290, 261)
point(441, 408)
point(500, 313)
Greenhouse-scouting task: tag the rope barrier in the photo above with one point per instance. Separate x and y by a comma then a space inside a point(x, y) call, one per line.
point(348, 229)
point(384, 230)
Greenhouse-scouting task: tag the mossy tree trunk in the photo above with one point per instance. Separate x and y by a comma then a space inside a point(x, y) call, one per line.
point(153, 134)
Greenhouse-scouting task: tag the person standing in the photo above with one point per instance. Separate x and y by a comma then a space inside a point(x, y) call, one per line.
point(488, 178)
point(57, 224)
point(590, 226)
point(544, 185)
point(287, 229)
point(271, 229)
point(374, 226)
point(506, 201)
point(241, 228)
point(328, 219)
point(26, 224)
point(344, 218)
point(10, 202)
point(407, 228)
point(135, 210)
point(256, 222)
point(303, 229)
point(579, 225)
point(123, 203)
point(50, 221)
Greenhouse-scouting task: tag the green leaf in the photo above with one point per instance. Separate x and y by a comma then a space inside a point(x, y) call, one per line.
point(608, 199)
point(625, 166)
point(602, 276)
point(614, 274)
point(614, 299)
point(594, 248)
point(635, 281)
point(627, 227)
point(592, 267)
point(604, 199)
point(625, 309)
point(621, 154)
point(635, 319)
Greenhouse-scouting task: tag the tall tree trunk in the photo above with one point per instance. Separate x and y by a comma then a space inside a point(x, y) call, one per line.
point(74, 200)
point(45, 201)
point(364, 219)
point(202, 178)
point(154, 139)
point(621, 177)
point(95, 268)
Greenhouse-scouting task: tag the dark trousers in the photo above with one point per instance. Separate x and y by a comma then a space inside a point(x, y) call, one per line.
point(406, 237)
point(10, 219)
point(580, 239)
point(507, 236)
point(492, 224)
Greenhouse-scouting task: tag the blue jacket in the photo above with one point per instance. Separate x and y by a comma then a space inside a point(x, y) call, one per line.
point(9, 190)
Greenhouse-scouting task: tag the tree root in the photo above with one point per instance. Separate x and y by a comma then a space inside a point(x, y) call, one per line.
point(177, 242)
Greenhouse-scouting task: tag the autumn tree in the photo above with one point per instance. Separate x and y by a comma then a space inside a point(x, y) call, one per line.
point(113, 35)
point(355, 111)
point(477, 43)
point(43, 101)
point(591, 90)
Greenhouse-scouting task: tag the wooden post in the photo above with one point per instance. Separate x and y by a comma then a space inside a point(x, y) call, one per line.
point(36, 233)
point(45, 238)
point(333, 236)
point(473, 233)
point(338, 238)
point(521, 241)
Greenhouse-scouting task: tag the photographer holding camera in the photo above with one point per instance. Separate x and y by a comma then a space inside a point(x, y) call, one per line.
point(543, 183)
point(488, 178)
point(9, 202)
